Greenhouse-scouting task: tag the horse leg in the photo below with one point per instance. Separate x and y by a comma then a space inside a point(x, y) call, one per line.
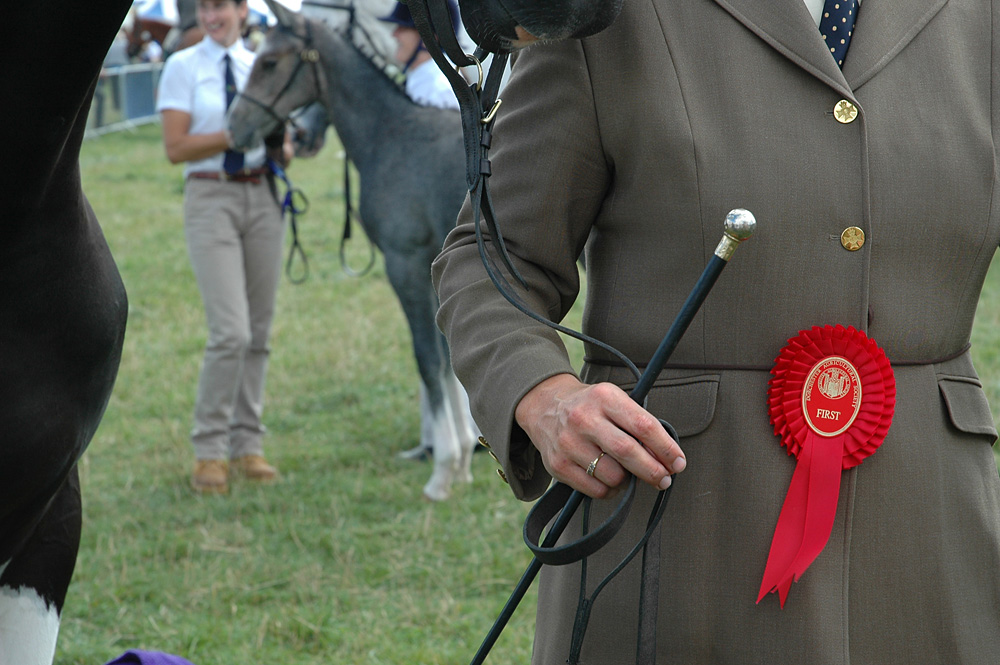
point(465, 427)
point(409, 275)
point(422, 451)
point(33, 583)
point(446, 444)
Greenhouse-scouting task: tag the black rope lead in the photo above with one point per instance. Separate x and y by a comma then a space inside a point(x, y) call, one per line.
point(350, 214)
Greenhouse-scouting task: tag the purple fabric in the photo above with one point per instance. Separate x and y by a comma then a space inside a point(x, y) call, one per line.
point(136, 657)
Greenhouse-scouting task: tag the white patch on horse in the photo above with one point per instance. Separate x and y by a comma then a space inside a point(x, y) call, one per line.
point(29, 627)
point(452, 434)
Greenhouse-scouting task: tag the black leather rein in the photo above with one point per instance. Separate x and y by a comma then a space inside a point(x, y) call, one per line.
point(478, 104)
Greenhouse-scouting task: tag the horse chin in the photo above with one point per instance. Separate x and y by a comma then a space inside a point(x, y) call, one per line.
point(524, 38)
point(305, 148)
point(489, 25)
point(248, 131)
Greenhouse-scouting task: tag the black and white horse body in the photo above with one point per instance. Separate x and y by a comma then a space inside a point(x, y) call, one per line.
point(412, 183)
point(62, 313)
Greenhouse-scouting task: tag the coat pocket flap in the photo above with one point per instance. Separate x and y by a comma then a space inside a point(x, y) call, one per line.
point(687, 403)
point(967, 405)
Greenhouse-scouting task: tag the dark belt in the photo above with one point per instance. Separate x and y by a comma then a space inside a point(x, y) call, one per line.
point(252, 176)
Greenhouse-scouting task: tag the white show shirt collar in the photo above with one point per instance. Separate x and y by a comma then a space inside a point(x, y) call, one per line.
point(216, 51)
point(815, 8)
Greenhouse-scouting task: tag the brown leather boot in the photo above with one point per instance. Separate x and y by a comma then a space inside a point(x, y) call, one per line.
point(254, 467)
point(210, 476)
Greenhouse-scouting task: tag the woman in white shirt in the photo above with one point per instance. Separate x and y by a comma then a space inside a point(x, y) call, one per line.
point(234, 231)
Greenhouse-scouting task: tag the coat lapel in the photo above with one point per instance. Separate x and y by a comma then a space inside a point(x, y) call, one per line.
point(788, 27)
point(883, 29)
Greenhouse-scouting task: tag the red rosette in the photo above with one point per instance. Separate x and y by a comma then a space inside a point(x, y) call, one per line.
point(831, 402)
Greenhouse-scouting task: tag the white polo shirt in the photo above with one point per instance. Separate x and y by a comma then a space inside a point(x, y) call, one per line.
point(193, 80)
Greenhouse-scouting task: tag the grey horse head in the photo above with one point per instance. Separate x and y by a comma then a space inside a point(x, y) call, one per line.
point(273, 91)
point(496, 24)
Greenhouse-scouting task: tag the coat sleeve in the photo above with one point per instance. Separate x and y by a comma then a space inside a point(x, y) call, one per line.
point(550, 180)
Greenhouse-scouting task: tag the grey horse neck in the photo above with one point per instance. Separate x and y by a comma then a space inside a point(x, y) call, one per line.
point(367, 108)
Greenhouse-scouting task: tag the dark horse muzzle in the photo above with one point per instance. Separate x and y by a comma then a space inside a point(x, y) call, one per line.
point(492, 23)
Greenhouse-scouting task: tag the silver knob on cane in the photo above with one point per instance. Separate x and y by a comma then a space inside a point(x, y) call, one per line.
point(740, 225)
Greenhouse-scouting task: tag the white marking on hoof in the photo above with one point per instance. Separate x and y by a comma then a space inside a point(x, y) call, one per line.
point(466, 431)
point(452, 434)
point(446, 459)
point(437, 489)
point(29, 627)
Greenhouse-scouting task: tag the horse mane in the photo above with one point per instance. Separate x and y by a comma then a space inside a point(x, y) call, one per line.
point(357, 37)
point(365, 45)
point(350, 29)
point(354, 33)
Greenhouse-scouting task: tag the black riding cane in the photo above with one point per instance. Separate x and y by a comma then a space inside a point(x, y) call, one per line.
point(739, 226)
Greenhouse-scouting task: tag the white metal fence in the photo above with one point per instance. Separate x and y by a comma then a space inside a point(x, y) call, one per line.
point(125, 97)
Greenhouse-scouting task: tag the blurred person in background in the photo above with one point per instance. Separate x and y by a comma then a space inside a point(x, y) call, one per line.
point(425, 83)
point(878, 214)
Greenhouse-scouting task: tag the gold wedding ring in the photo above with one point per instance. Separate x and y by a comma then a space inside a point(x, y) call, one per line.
point(593, 465)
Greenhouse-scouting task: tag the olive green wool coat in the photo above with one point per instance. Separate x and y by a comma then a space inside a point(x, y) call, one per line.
point(641, 139)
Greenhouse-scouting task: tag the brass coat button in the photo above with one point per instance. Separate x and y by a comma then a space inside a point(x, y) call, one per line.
point(852, 238)
point(845, 112)
point(485, 444)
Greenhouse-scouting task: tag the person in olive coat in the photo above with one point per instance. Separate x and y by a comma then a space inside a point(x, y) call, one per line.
point(875, 191)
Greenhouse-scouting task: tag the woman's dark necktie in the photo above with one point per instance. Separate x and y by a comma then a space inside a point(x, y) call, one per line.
point(837, 25)
point(233, 160)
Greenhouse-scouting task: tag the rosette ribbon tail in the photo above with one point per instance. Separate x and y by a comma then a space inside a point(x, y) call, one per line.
point(807, 515)
point(831, 401)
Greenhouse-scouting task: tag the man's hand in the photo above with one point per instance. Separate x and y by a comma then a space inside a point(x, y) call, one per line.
point(573, 424)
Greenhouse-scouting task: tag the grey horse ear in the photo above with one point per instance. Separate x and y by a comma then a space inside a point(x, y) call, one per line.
point(285, 16)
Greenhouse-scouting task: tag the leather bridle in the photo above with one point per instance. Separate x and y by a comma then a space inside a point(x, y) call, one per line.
point(309, 55)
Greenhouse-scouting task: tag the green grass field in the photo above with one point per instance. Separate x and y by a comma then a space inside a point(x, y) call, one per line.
point(341, 561)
